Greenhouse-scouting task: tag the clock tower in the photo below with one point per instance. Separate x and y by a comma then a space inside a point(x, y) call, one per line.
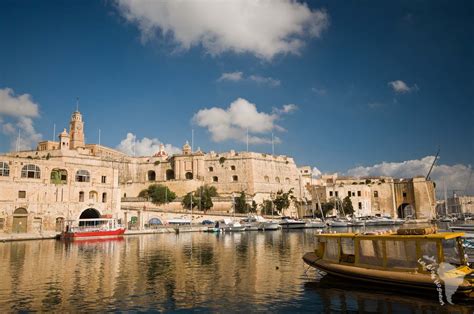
point(76, 130)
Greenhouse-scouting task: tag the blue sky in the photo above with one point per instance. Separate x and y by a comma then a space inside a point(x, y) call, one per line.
point(372, 81)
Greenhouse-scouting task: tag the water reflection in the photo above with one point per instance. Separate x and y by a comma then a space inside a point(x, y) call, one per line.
point(251, 271)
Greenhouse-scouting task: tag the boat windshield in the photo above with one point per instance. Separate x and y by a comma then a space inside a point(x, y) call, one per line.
point(371, 252)
point(452, 254)
point(331, 251)
point(401, 254)
point(429, 251)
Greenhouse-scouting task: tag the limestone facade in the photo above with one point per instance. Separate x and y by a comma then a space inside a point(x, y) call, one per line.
point(42, 188)
point(385, 196)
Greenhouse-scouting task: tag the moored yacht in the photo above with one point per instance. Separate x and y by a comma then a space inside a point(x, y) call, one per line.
point(99, 227)
point(290, 223)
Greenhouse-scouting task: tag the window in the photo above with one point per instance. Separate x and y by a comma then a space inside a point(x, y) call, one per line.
point(232, 167)
point(349, 193)
point(266, 178)
point(336, 193)
point(376, 194)
point(31, 172)
point(189, 175)
point(404, 194)
point(83, 176)
point(451, 252)
point(277, 180)
point(359, 193)
point(353, 193)
point(21, 194)
point(104, 197)
point(360, 205)
point(215, 179)
point(151, 175)
point(210, 169)
point(104, 179)
point(401, 254)
point(347, 254)
point(93, 196)
point(330, 193)
point(4, 169)
point(429, 250)
point(235, 178)
point(81, 196)
point(331, 252)
point(59, 176)
point(370, 252)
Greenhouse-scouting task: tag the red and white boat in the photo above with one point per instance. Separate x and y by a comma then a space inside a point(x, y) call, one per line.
point(100, 227)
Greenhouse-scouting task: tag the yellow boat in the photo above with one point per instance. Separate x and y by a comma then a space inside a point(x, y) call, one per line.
point(419, 259)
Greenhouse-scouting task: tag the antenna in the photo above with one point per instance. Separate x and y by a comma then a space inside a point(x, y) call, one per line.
point(432, 165)
point(247, 140)
point(273, 146)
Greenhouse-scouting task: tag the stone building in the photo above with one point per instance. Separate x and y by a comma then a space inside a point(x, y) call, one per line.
point(69, 179)
point(385, 196)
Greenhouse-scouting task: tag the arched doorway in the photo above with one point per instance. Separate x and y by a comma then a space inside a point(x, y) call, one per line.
point(20, 221)
point(189, 175)
point(405, 210)
point(151, 175)
point(169, 174)
point(90, 213)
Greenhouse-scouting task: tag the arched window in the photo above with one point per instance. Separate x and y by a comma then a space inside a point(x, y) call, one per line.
point(83, 176)
point(266, 178)
point(210, 169)
point(4, 169)
point(81, 196)
point(189, 175)
point(104, 197)
point(31, 171)
point(235, 178)
point(215, 179)
point(58, 176)
point(169, 174)
point(287, 180)
point(151, 175)
point(277, 180)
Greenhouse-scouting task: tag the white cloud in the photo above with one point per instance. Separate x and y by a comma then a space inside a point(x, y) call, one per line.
point(144, 147)
point(231, 76)
point(456, 176)
point(17, 106)
point(265, 80)
point(263, 28)
point(319, 91)
point(239, 76)
point(20, 110)
point(316, 173)
point(232, 123)
point(401, 87)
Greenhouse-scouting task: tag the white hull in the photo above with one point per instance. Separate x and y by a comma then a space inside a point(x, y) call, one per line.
point(269, 226)
point(337, 224)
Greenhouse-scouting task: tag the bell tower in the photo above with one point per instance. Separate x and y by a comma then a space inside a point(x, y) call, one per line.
point(76, 130)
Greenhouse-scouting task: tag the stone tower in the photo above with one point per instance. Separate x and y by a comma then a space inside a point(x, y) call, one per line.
point(76, 130)
point(63, 140)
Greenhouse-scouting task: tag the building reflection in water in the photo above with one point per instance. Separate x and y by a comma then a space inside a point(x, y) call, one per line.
point(252, 271)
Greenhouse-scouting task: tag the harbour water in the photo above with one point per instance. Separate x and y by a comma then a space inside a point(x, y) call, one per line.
point(233, 272)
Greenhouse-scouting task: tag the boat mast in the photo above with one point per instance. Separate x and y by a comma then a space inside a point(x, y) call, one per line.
point(445, 199)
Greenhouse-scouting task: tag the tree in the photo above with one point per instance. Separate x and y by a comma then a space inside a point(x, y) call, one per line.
point(347, 206)
point(253, 207)
point(158, 194)
point(240, 203)
point(283, 200)
point(202, 198)
point(187, 199)
point(326, 207)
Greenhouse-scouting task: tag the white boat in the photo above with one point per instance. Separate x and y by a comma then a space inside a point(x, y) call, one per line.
point(357, 223)
point(100, 227)
point(465, 227)
point(250, 223)
point(179, 221)
point(290, 223)
point(315, 223)
point(338, 223)
point(448, 219)
point(228, 225)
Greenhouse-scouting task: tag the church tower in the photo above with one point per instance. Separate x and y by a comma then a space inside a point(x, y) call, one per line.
point(76, 130)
